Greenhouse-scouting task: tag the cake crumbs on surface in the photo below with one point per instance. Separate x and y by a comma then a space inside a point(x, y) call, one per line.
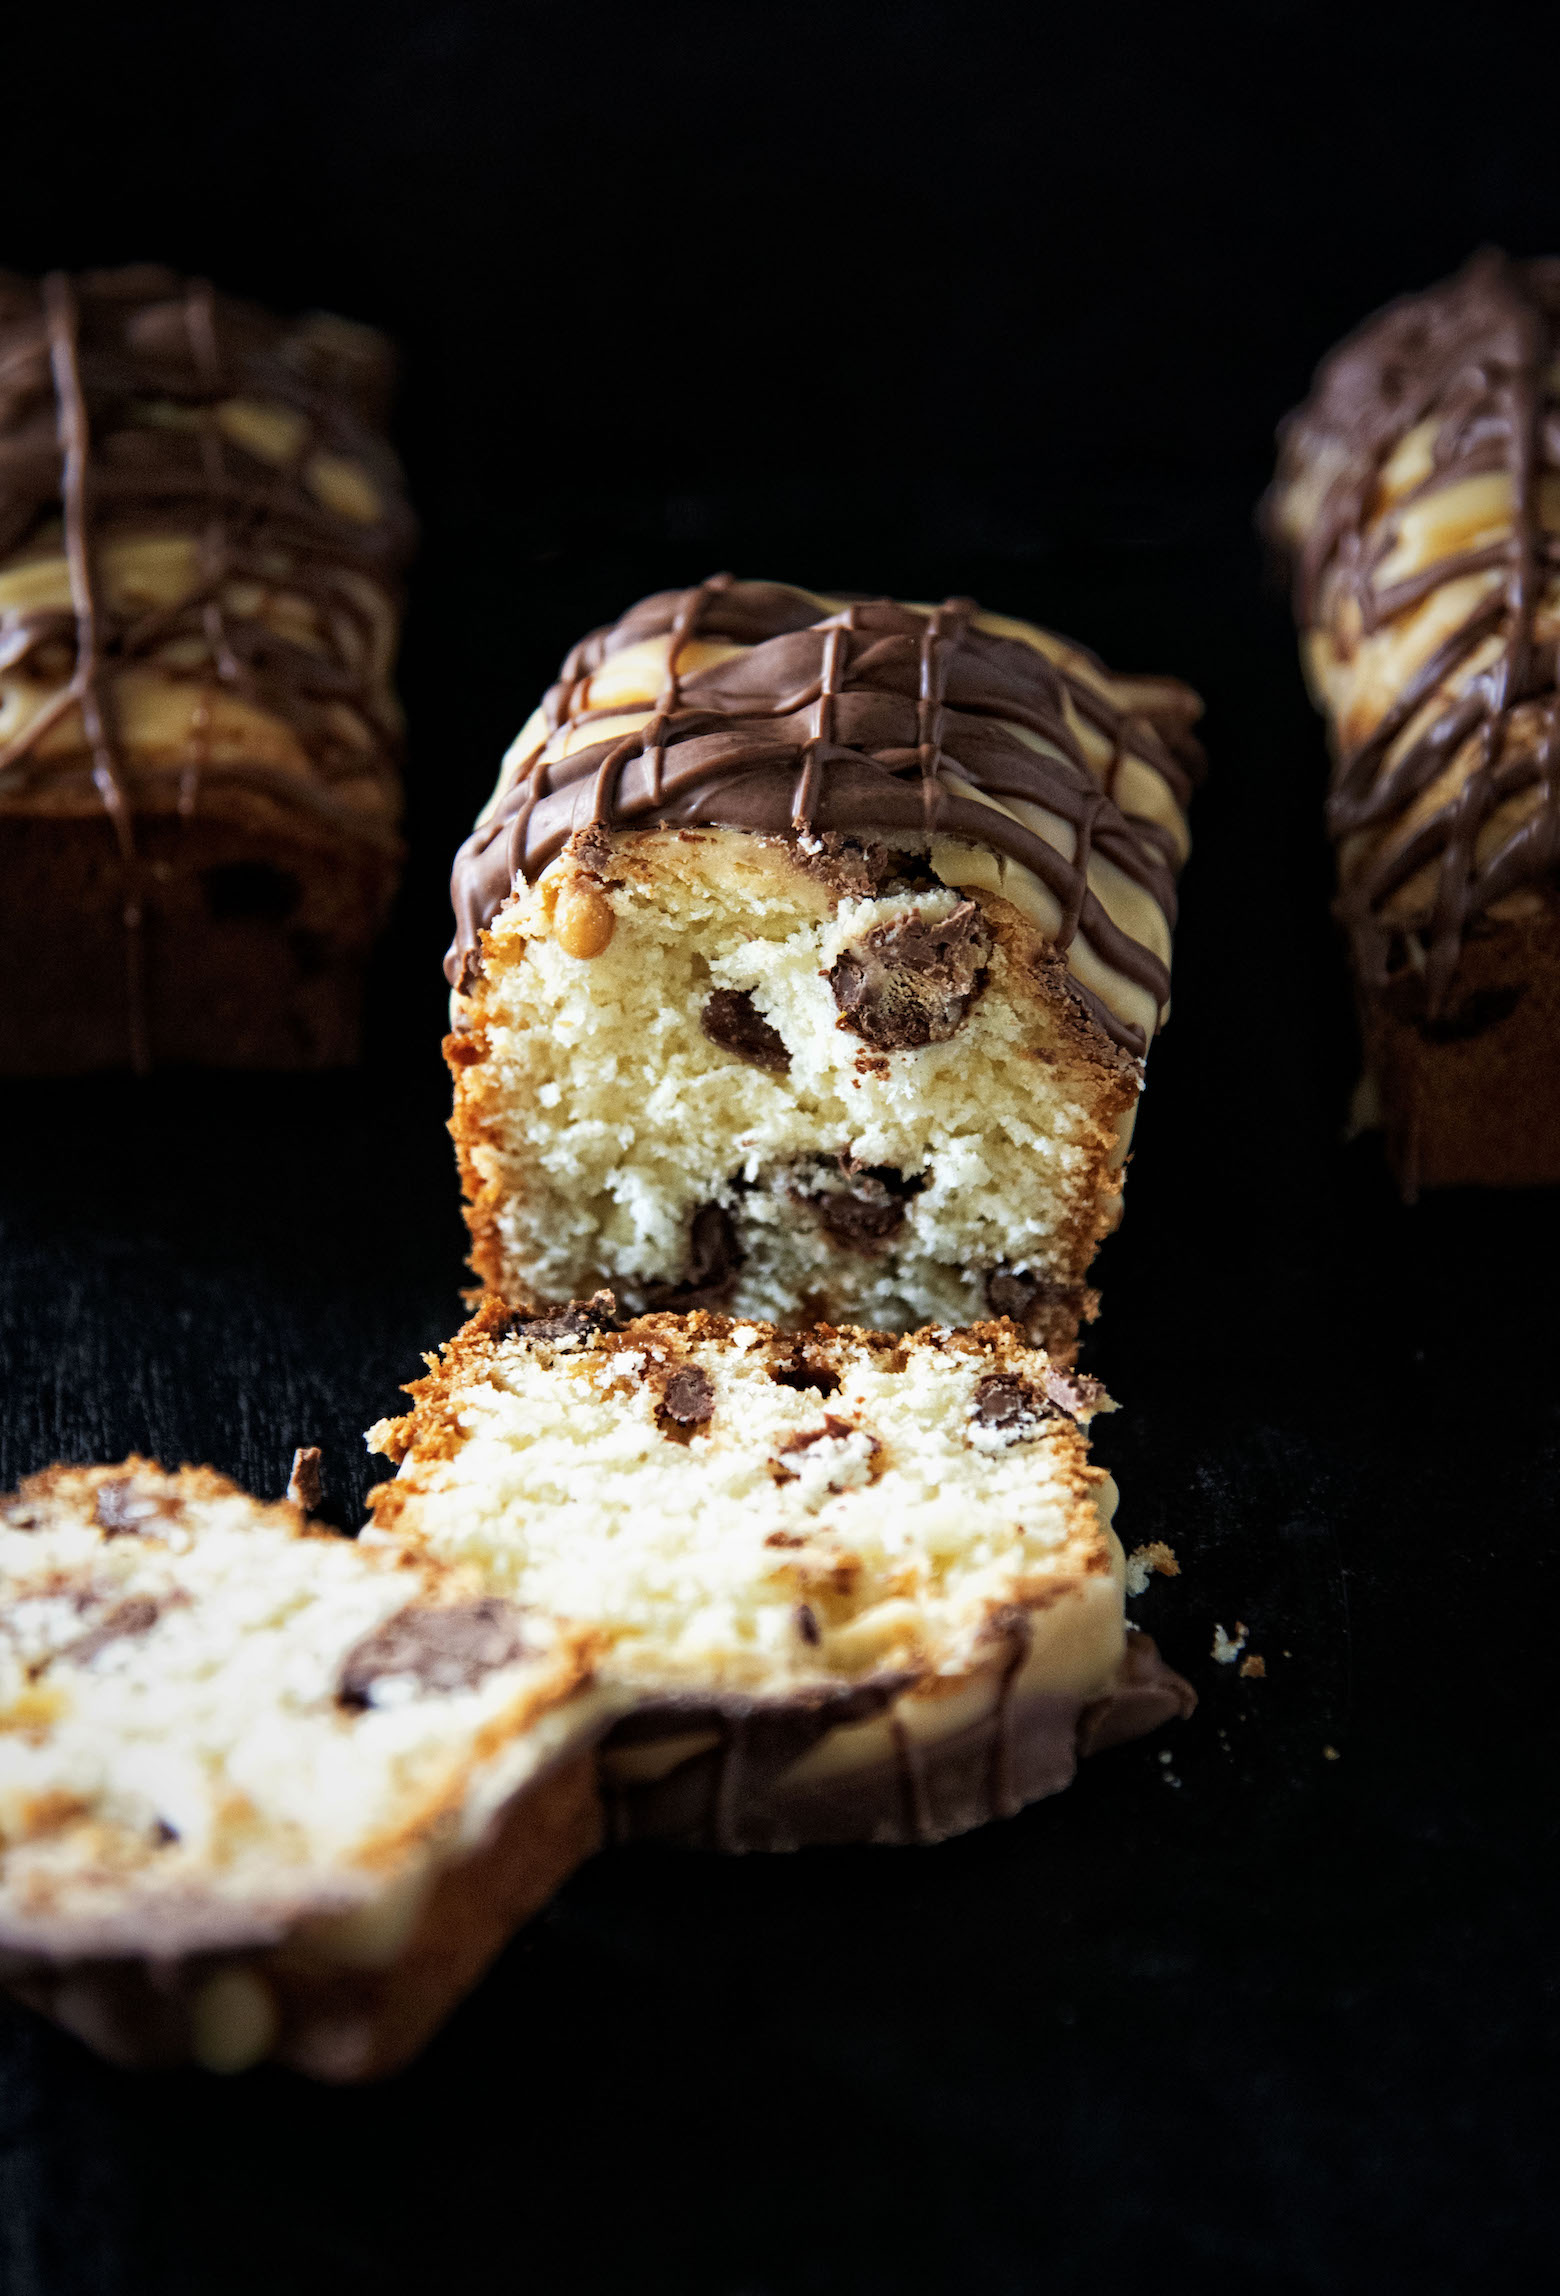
point(1254, 1668)
point(1144, 1561)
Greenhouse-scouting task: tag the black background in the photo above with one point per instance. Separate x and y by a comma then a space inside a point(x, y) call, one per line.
point(927, 298)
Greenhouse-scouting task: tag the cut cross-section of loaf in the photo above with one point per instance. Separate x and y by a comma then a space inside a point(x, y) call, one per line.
point(808, 956)
point(265, 1792)
point(842, 1586)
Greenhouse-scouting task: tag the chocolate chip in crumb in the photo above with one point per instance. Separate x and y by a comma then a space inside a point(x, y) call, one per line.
point(865, 1207)
point(733, 1021)
point(1008, 1404)
point(807, 1624)
point(126, 1506)
point(833, 1430)
point(688, 1398)
point(912, 983)
point(580, 1320)
point(1075, 1392)
point(1048, 1313)
point(853, 868)
point(137, 1614)
point(805, 1375)
point(714, 1256)
point(439, 1650)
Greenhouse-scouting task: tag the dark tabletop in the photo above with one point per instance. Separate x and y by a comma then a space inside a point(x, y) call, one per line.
point(922, 298)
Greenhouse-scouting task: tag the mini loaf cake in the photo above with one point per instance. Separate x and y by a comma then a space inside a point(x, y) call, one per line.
point(1419, 495)
point(201, 536)
point(807, 959)
point(843, 1587)
point(264, 1792)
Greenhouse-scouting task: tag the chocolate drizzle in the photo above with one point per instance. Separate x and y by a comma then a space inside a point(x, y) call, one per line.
point(873, 721)
point(124, 397)
point(1472, 358)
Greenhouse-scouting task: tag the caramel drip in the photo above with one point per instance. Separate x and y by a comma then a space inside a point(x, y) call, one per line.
point(1473, 358)
point(856, 723)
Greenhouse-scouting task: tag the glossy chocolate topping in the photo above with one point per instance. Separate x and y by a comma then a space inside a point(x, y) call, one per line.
point(1473, 359)
point(866, 718)
point(136, 404)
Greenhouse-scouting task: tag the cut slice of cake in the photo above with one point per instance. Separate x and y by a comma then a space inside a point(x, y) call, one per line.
point(808, 957)
point(843, 1586)
point(265, 1792)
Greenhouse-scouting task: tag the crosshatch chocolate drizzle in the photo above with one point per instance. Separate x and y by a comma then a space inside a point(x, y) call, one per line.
point(1474, 357)
point(874, 721)
point(89, 370)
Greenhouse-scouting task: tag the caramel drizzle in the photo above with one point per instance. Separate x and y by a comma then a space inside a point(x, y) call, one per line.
point(629, 780)
point(285, 680)
point(1487, 385)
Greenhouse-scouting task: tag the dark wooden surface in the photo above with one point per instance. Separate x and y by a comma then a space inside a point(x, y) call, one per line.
point(1008, 307)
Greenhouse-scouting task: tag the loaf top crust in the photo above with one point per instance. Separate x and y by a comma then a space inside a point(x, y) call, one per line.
point(1010, 754)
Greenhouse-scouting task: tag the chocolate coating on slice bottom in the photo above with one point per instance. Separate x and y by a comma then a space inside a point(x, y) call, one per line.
point(735, 1795)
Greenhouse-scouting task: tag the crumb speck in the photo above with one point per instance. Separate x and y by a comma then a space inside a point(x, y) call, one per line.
point(1254, 1668)
point(1329, 1753)
point(1144, 1561)
point(1227, 1648)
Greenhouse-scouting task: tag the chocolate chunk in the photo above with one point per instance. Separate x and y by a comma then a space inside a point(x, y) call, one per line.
point(807, 1624)
point(1074, 1392)
point(851, 867)
point(1004, 1401)
point(1019, 1296)
point(137, 1614)
point(805, 1373)
point(912, 983)
point(306, 1485)
point(868, 1209)
point(714, 1256)
point(442, 1650)
point(733, 1021)
point(579, 1321)
point(833, 1430)
point(126, 1506)
point(688, 1397)
point(591, 848)
point(1047, 1313)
